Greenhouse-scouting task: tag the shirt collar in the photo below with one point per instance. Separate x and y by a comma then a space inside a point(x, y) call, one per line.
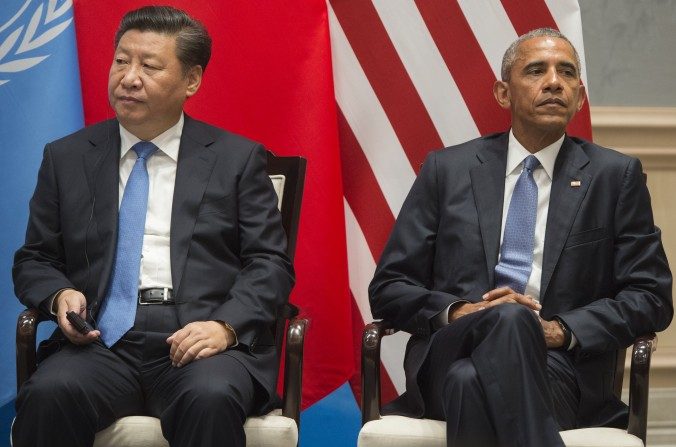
point(547, 155)
point(168, 141)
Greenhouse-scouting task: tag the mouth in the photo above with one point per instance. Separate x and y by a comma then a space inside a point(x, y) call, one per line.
point(128, 99)
point(553, 102)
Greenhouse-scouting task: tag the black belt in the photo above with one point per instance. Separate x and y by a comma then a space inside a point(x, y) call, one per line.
point(156, 296)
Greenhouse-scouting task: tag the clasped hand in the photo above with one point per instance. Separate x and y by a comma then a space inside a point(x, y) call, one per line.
point(552, 331)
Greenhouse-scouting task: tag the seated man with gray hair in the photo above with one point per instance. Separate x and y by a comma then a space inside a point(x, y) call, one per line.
point(520, 263)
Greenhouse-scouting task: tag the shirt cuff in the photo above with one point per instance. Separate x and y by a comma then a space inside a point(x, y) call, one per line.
point(565, 327)
point(573, 340)
point(50, 305)
point(232, 331)
point(441, 319)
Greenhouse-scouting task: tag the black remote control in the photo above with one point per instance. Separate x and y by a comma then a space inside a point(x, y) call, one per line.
point(79, 323)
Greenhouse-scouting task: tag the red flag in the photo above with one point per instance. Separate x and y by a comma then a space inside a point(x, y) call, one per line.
point(269, 79)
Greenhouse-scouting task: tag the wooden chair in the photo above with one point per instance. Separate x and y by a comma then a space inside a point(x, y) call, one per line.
point(400, 431)
point(277, 428)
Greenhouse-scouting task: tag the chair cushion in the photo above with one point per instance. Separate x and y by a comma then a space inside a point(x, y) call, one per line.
point(269, 430)
point(132, 431)
point(400, 431)
point(600, 437)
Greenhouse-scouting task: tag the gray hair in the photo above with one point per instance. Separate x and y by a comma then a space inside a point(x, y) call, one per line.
point(510, 55)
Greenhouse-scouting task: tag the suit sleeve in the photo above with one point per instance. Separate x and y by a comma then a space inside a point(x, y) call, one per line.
point(401, 291)
point(40, 264)
point(642, 302)
point(266, 276)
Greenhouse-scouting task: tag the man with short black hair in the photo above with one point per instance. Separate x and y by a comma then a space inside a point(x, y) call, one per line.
point(163, 233)
point(520, 262)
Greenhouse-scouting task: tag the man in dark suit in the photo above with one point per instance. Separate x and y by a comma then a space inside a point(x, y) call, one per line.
point(207, 256)
point(520, 263)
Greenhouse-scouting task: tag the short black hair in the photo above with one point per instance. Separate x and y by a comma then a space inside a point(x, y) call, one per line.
point(193, 43)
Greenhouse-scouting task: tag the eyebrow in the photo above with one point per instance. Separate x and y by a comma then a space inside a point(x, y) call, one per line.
point(534, 64)
point(144, 55)
point(564, 64)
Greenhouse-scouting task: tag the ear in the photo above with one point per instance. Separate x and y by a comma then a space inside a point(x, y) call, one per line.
point(582, 97)
point(194, 77)
point(502, 95)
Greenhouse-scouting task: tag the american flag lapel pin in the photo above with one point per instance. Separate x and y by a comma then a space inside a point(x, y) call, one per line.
point(575, 183)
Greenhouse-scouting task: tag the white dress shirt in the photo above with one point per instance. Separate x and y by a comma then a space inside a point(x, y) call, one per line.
point(155, 256)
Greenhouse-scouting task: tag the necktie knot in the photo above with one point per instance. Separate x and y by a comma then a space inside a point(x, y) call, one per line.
point(530, 163)
point(144, 149)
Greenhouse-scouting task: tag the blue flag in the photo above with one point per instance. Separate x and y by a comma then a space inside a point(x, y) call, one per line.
point(40, 100)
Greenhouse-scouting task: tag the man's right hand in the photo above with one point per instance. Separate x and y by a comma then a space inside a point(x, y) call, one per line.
point(492, 298)
point(71, 299)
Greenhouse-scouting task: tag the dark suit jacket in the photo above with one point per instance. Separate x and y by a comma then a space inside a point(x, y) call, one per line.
point(604, 272)
point(228, 259)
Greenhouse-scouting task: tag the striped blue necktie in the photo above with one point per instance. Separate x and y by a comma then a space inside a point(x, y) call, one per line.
point(119, 307)
point(516, 252)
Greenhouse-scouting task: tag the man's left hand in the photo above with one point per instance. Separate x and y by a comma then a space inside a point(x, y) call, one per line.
point(554, 336)
point(198, 340)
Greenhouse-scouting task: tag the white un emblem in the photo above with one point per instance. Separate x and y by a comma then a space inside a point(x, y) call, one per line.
point(27, 31)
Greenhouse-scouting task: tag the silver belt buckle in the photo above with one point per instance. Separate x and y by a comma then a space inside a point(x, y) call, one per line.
point(165, 297)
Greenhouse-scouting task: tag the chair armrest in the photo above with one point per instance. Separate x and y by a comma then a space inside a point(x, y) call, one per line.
point(370, 370)
point(639, 377)
point(26, 330)
point(285, 312)
point(293, 369)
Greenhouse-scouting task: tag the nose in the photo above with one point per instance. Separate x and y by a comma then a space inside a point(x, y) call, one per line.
point(131, 79)
point(552, 81)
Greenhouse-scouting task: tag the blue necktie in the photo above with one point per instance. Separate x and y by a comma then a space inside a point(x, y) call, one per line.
point(516, 252)
point(119, 307)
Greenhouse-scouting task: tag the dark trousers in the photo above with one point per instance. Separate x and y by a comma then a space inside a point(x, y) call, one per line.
point(80, 390)
point(491, 377)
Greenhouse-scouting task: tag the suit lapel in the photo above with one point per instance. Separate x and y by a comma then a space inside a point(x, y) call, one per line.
point(564, 203)
point(195, 163)
point(102, 165)
point(488, 186)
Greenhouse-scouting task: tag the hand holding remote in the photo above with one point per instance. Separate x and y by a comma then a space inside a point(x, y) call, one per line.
point(67, 302)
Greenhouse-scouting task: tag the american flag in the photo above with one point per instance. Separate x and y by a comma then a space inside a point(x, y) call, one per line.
point(413, 76)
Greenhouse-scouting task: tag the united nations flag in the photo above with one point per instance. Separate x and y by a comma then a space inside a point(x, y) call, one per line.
point(40, 100)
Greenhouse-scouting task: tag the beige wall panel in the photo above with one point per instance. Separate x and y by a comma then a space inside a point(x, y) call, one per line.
point(650, 135)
